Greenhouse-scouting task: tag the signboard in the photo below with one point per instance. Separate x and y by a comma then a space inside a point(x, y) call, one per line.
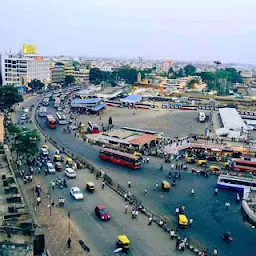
point(29, 49)
point(38, 58)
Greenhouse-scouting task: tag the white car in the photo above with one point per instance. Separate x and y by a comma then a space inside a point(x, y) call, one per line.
point(76, 193)
point(24, 117)
point(50, 168)
point(44, 152)
point(70, 173)
point(59, 109)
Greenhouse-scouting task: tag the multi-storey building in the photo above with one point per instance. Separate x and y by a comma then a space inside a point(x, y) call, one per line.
point(164, 66)
point(19, 69)
point(57, 74)
point(82, 76)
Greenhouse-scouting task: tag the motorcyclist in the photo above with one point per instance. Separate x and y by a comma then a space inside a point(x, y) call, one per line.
point(64, 183)
point(227, 236)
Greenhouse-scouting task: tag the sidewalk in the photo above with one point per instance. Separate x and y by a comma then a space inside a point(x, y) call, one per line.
point(55, 225)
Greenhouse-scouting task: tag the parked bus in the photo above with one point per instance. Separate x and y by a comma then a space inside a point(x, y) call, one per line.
point(243, 165)
point(51, 122)
point(117, 157)
point(61, 119)
point(42, 111)
point(93, 128)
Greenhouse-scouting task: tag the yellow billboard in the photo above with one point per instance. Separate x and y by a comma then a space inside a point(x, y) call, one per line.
point(29, 49)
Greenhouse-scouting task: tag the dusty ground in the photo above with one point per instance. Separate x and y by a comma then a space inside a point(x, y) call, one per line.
point(172, 122)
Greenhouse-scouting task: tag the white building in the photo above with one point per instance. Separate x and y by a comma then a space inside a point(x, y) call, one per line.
point(20, 69)
point(164, 66)
point(82, 76)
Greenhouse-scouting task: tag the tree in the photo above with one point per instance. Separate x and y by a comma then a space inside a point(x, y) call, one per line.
point(192, 83)
point(9, 95)
point(96, 75)
point(69, 79)
point(25, 141)
point(36, 85)
point(128, 74)
point(180, 73)
point(59, 63)
point(189, 70)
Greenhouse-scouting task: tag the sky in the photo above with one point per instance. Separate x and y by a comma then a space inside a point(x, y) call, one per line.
point(189, 30)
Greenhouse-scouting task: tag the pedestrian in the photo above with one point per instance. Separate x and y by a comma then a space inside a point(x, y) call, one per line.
point(103, 185)
point(177, 210)
point(125, 197)
point(136, 214)
point(192, 191)
point(172, 234)
point(156, 186)
point(150, 220)
point(177, 244)
point(215, 252)
point(172, 166)
point(147, 159)
point(145, 191)
point(216, 191)
point(129, 194)
point(129, 183)
point(38, 200)
point(63, 202)
point(60, 202)
point(69, 242)
point(227, 204)
point(39, 169)
point(190, 222)
point(161, 223)
point(133, 214)
point(53, 184)
point(97, 175)
point(126, 208)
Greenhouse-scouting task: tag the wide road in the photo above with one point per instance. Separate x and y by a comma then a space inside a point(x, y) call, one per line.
point(99, 235)
point(210, 217)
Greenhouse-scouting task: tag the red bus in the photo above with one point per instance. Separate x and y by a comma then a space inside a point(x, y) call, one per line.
point(117, 157)
point(243, 165)
point(93, 128)
point(51, 122)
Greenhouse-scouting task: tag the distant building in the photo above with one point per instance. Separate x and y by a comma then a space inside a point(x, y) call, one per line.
point(82, 76)
point(246, 77)
point(19, 69)
point(57, 74)
point(69, 70)
point(164, 66)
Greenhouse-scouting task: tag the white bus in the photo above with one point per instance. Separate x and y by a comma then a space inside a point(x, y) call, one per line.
point(61, 119)
point(42, 111)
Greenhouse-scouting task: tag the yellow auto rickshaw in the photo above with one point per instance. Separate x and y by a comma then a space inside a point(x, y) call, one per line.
point(69, 161)
point(90, 186)
point(190, 160)
point(214, 168)
point(166, 185)
point(58, 166)
point(183, 220)
point(137, 154)
point(45, 146)
point(56, 158)
point(201, 162)
point(123, 242)
point(226, 164)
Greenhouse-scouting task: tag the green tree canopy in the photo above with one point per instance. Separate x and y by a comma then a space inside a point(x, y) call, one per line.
point(192, 83)
point(69, 79)
point(189, 70)
point(36, 85)
point(9, 95)
point(59, 63)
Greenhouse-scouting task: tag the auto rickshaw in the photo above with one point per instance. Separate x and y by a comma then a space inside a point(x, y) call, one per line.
point(137, 154)
point(58, 166)
point(190, 160)
point(90, 186)
point(123, 242)
point(69, 161)
point(56, 158)
point(214, 168)
point(226, 165)
point(201, 162)
point(183, 220)
point(45, 146)
point(166, 185)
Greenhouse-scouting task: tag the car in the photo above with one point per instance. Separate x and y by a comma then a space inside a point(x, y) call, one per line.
point(70, 173)
point(24, 117)
point(76, 193)
point(50, 167)
point(59, 109)
point(102, 212)
point(44, 151)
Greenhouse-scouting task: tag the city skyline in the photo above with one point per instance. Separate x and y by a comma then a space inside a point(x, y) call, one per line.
point(183, 31)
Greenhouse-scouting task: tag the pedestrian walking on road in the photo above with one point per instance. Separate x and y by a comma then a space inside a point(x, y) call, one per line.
point(156, 186)
point(172, 234)
point(125, 197)
point(192, 192)
point(215, 252)
point(129, 184)
point(63, 202)
point(126, 208)
point(60, 202)
point(53, 184)
point(172, 166)
point(38, 200)
point(136, 214)
point(227, 204)
point(177, 244)
point(69, 242)
point(103, 185)
point(145, 191)
point(177, 210)
point(190, 222)
point(216, 191)
point(150, 220)
point(133, 214)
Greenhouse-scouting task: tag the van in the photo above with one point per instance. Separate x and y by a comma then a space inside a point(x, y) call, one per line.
point(201, 117)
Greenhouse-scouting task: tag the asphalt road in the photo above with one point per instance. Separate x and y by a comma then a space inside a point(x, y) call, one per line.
point(210, 217)
point(100, 235)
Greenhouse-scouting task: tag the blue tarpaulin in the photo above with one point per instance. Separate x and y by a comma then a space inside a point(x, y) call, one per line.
point(99, 107)
point(86, 101)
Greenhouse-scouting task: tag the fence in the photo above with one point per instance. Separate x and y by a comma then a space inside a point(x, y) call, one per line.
point(194, 245)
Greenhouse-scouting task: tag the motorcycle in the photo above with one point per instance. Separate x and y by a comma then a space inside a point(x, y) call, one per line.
point(227, 237)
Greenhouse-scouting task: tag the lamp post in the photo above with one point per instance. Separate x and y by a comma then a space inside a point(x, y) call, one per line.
point(115, 251)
